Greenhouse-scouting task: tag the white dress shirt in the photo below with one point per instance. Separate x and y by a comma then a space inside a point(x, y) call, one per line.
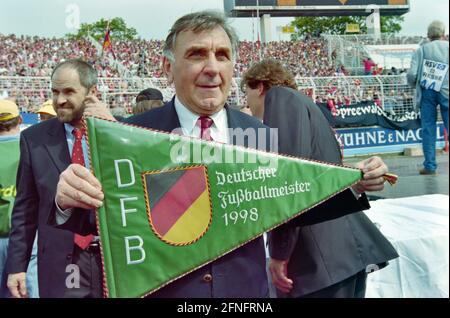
point(63, 215)
point(188, 121)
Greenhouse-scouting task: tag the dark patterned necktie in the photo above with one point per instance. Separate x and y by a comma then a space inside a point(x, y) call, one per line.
point(77, 157)
point(205, 124)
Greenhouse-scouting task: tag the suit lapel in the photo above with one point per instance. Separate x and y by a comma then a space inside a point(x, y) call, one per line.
point(235, 122)
point(56, 145)
point(232, 120)
point(170, 113)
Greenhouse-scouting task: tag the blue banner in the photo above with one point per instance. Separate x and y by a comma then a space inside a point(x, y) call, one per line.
point(29, 118)
point(366, 140)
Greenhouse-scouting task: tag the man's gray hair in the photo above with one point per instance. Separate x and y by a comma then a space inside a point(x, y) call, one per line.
point(86, 73)
point(199, 22)
point(436, 30)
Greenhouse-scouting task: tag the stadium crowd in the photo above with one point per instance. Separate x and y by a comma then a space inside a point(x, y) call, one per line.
point(35, 57)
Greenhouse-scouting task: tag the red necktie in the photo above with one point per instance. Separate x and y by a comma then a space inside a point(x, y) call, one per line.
point(205, 123)
point(77, 157)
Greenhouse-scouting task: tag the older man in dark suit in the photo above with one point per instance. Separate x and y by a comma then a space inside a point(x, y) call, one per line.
point(198, 59)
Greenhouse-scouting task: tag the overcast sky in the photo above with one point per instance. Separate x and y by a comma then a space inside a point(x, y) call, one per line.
point(153, 18)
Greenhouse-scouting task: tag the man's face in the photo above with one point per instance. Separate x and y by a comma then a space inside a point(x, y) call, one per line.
point(202, 70)
point(255, 100)
point(68, 95)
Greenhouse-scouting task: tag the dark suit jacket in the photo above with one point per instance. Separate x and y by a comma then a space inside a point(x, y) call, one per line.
point(325, 253)
point(43, 156)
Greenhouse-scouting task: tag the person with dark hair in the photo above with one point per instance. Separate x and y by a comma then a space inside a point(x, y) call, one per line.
point(148, 99)
point(329, 258)
point(47, 149)
point(10, 121)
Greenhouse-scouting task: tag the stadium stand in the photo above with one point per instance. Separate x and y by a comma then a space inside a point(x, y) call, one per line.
point(321, 67)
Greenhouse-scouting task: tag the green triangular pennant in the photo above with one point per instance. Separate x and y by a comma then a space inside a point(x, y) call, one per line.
point(160, 208)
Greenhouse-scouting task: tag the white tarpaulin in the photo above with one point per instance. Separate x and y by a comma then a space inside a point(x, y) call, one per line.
point(387, 56)
point(418, 227)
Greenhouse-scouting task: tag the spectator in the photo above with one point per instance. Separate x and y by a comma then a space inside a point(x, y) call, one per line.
point(393, 71)
point(148, 99)
point(46, 111)
point(10, 121)
point(368, 65)
point(429, 74)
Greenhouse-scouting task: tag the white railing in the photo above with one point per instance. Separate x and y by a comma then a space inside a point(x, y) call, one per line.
point(350, 50)
point(393, 92)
